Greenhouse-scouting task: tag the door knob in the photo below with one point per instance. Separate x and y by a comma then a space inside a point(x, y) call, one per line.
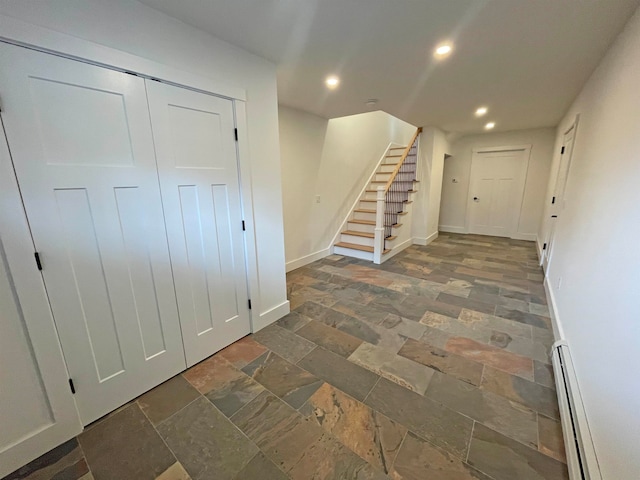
point(475, 199)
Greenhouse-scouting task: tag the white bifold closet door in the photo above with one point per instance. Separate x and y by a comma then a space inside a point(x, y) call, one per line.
point(196, 155)
point(82, 148)
point(132, 196)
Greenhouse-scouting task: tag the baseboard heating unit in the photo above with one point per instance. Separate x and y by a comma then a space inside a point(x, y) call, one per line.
point(581, 455)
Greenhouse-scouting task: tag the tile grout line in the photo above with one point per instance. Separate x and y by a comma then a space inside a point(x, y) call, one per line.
point(473, 427)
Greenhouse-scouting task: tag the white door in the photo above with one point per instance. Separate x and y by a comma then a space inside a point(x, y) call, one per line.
point(82, 147)
point(557, 201)
point(495, 192)
point(197, 164)
point(37, 411)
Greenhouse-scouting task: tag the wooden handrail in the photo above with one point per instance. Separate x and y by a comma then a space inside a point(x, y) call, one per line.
point(402, 159)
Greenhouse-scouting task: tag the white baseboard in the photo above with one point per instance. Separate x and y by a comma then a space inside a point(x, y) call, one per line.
point(307, 259)
point(397, 249)
point(558, 332)
point(267, 318)
point(451, 229)
point(530, 237)
point(425, 241)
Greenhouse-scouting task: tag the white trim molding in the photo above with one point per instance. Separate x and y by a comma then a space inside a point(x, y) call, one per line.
point(452, 229)
point(307, 259)
point(425, 241)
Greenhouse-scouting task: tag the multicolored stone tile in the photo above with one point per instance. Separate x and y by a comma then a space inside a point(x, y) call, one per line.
point(420, 460)
point(330, 338)
point(231, 389)
point(64, 462)
point(174, 472)
point(285, 343)
point(167, 398)
point(492, 356)
point(206, 443)
point(442, 361)
point(505, 459)
point(423, 416)
point(340, 372)
point(550, 439)
point(371, 435)
point(528, 393)
point(494, 411)
point(242, 352)
point(125, 445)
point(288, 381)
point(398, 369)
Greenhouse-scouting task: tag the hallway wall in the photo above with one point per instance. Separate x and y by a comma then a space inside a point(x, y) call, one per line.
point(336, 169)
point(594, 275)
point(454, 195)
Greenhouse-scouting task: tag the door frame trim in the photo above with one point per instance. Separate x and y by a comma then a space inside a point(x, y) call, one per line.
point(522, 182)
point(545, 258)
point(34, 37)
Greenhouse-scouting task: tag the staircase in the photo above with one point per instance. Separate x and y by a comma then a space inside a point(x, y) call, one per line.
point(381, 207)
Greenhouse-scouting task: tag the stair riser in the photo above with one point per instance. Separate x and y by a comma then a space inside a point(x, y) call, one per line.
point(348, 252)
point(387, 168)
point(364, 216)
point(367, 242)
point(358, 227)
point(383, 176)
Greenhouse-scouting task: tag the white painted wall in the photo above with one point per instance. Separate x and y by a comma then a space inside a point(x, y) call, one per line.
point(597, 255)
point(454, 195)
point(337, 171)
point(426, 206)
point(131, 27)
point(302, 137)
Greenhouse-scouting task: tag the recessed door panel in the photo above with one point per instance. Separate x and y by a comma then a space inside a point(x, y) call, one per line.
point(82, 148)
point(198, 170)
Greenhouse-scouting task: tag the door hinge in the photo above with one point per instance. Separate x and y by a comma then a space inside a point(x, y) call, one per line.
point(544, 247)
point(38, 262)
point(562, 151)
point(235, 131)
point(243, 226)
point(553, 200)
point(249, 301)
point(72, 386)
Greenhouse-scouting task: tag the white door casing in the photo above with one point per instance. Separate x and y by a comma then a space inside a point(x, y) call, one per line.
point(496, 190)
point(558, 198)
point(198, 169)
point(82, 148)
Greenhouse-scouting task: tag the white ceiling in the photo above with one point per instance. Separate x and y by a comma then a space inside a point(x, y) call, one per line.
point(524, 59)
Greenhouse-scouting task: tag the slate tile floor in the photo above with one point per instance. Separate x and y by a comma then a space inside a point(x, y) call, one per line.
point(432, 366)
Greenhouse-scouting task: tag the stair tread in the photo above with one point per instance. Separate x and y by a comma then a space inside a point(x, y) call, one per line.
point(357, 234)
point(364, 210)
point(367, 200)
point(393, 156)
point(355, 246)
point(392, 237)
point(363, 222)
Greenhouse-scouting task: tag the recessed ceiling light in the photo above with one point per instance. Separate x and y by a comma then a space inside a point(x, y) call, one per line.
point(489, 125)
point(481, 111)
point(443, 50)
point(371, 102)
point(332, 81)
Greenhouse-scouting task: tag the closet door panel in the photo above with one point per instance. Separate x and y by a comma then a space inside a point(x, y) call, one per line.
point(197, 164)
